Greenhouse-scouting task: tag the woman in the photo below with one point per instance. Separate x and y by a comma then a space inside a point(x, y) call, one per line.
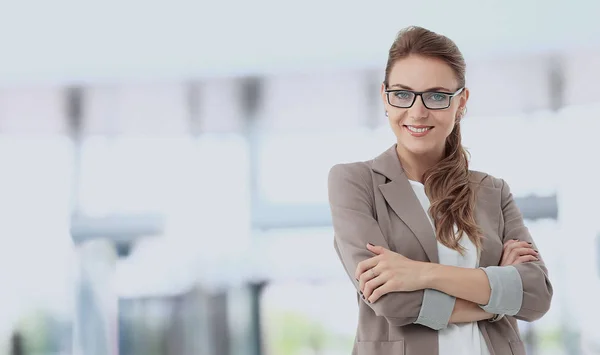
point(453, 280)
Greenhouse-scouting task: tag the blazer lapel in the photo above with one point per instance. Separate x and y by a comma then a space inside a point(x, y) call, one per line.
point(401, 197)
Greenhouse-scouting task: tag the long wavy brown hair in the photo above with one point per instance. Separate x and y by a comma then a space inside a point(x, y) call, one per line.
point(446, 183)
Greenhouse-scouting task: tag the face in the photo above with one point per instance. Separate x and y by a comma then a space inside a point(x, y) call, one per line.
point(419, 130)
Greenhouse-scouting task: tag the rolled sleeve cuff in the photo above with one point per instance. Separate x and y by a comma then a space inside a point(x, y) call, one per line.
point(507, 290)
point(436, 309)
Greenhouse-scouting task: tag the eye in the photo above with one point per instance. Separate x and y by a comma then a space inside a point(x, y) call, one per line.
point(438, 97)
point(403, 95)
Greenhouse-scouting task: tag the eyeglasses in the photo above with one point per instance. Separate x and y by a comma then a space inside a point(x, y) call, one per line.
point(433, 100)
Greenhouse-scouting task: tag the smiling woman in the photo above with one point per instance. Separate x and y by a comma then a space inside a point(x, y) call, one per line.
point(428, 243)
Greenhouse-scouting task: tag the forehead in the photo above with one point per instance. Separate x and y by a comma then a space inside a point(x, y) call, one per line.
point(422, 73)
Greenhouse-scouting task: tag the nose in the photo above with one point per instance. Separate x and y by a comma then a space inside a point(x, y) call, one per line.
point(418, 109)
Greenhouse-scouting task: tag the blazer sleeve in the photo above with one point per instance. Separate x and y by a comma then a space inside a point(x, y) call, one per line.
point(351, 203)
point(524, 290)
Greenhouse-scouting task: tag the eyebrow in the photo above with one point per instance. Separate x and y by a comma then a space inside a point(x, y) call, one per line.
point(437, 88)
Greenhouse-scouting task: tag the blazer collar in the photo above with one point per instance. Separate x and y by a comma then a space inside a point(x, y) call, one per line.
point(388, 164)
point(401, 197)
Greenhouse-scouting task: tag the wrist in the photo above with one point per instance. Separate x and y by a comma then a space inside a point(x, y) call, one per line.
point(466, 311)
point(429, 274)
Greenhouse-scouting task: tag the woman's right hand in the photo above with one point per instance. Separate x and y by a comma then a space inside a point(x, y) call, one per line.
point(517, 252)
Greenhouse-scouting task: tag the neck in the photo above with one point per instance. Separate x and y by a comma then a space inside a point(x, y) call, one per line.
point(415, 165)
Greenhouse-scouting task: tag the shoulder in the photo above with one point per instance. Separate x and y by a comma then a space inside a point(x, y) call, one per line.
point(354, 171)
point(350, 179)
point(486, 180)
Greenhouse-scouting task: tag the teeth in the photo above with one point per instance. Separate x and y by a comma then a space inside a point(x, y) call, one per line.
point(418, 130)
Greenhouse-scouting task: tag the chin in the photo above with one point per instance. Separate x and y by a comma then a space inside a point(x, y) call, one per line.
point(418, 149)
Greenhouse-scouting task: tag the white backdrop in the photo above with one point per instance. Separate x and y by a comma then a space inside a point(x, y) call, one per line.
point(108, 40)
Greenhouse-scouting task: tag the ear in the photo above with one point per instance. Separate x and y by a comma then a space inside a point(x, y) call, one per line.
point(464, 97)
point(462, 105)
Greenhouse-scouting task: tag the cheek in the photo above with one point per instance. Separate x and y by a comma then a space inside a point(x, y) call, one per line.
point(393, 121)
point(445, 125)
point(396, 117)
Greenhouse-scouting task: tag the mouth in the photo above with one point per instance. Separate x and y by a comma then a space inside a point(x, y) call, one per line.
point(418, 131)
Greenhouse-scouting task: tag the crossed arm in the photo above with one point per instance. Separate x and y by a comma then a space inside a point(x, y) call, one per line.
point(471, 287)
point(468, 297)
point(466, 308)
point(391, 272)
point(438, 294)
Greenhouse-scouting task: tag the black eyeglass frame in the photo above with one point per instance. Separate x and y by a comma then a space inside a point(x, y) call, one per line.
point(420, 93)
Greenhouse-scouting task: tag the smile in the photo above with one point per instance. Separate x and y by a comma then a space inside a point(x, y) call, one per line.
point(418, 131)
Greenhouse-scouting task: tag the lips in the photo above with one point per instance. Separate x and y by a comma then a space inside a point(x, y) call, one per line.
point(418, 131)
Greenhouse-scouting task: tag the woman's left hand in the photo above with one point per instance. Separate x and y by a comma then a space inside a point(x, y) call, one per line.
point(388, 272)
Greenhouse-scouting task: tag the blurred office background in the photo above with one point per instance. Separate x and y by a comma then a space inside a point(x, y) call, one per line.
point(163, 166)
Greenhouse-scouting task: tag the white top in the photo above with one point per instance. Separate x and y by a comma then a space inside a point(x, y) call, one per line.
point(464, 338)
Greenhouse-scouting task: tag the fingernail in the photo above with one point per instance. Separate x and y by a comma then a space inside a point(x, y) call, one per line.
point(529, 243)
point(357, 280)
point(370, 244)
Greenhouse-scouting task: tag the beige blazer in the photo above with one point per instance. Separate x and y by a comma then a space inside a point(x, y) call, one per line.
point(373, 201)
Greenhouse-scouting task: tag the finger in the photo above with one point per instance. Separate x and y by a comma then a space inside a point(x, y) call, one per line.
point(503, 257)
point(510, 258)
point(518, 252)
point(366, 277)
point(376, 249)
point(516, 245)
point(503, 261)
point(365, 265)
point(380, 291)
point(510, 241)
point(525, 251)
point(511, 255)
point(373, 284)
point(506, 252)
point(524, 259)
